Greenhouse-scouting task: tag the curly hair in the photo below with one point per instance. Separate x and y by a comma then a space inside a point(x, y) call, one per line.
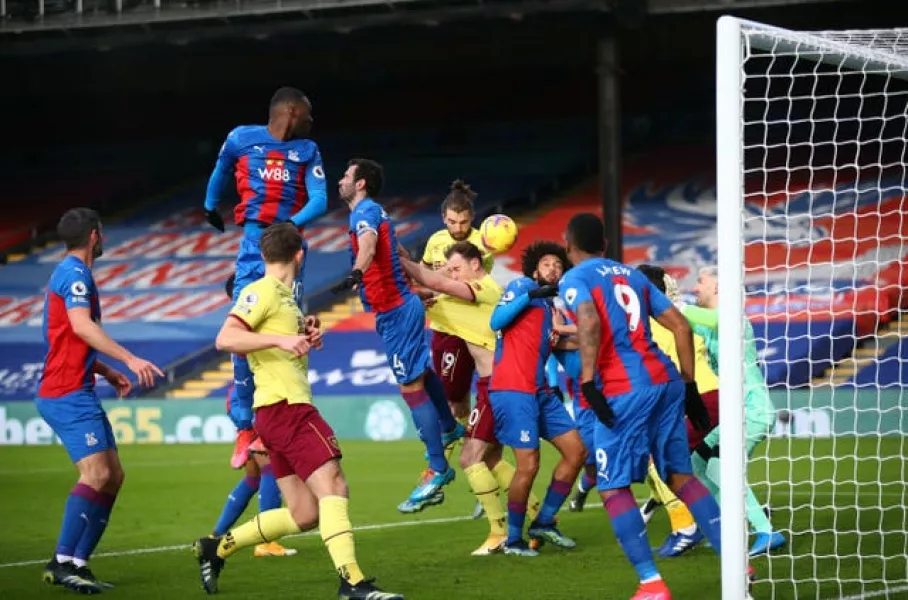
point(532, 254)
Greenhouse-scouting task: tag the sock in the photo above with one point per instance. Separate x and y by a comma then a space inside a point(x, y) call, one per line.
point(337, 533)
point(436, 391)
point(101, 504)
point(681, 519)
point(263, 527)
point(554, 498)
point(486, 490)
point(73, 524)
point(586, 483)
point(703, 506)
point(451, 449)
point(631, 533)
point(425, 417)
point(269, 493)
point(755, 515)
point(504, 474)
point(517, 514)
point(237, 501)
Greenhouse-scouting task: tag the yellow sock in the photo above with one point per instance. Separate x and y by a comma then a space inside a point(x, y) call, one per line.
point(263, 527)
point(486, 489)
point(678, 514)
point(337, 533)
point(504, 473)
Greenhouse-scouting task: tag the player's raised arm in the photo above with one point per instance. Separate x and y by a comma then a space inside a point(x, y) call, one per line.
point(437, 282)
point(707, 317)
point(223, 170)
point(317, 192)
point(667, 315)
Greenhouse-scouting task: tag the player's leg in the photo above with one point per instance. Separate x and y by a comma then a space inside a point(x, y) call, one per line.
point(585, 420)
point(453, 365)
point(684, 534)
point(269, 498)
point(557, 427)
point(85, 431)
point(766, 538)
point(516, 417)
point(238, 499)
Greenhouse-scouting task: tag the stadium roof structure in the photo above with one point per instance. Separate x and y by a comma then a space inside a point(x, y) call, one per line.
point(48, 25)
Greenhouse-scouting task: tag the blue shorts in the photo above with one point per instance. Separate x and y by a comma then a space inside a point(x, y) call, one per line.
point(585, 420)
point(250, 267)
point(403, 332)
point(521, 418)
point(649, 421)
point(80, 422)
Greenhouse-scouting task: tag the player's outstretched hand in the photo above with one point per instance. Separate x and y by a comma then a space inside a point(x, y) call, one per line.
point(144, 370)
point(695, 409)
point(598, 403)
point(544, 291)
point(216, 220)
point(350, 281)
point(119, 382)
point(297, 345)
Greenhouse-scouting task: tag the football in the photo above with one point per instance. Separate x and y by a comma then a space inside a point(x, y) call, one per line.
point(499, 233)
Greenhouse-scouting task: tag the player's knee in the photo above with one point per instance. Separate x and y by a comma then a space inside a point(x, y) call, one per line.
point(470, 455)
point(98, 475)
point(529, 463)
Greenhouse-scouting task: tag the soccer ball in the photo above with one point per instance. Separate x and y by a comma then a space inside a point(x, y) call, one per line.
point(498, 233)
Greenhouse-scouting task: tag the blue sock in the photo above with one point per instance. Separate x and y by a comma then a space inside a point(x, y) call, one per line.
point(436, 390)
point(96, 522)
point(554, 498)
point(425, 417)
point(73, 524)
point(236, 503)
point(631, 533)
point(269, 493)
point(517, 516)
point(705, 509)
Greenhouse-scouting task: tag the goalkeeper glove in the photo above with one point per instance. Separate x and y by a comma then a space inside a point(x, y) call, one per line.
point(598, 403)
point(695, 409)
point(216, 220)
point(544, 291)
point(350, 281)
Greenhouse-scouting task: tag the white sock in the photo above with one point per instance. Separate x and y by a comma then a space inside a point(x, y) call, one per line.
point(689, 530)
point(62, 558)
point(652, 579)
point(80, 563)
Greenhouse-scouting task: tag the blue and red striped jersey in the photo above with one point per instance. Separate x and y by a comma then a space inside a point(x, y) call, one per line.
point(384, 286)
point(624, 300)
point(275, 180)
point(524, 344)
point(69, 360)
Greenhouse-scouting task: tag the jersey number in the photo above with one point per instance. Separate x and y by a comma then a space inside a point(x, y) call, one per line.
point(629, 303)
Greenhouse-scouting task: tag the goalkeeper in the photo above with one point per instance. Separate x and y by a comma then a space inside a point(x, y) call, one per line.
point(759, 412)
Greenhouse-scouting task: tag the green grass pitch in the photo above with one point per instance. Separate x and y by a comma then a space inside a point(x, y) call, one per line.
point(173, 494)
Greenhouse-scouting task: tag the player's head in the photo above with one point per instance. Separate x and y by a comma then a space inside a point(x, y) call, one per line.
point(707, 288)
point(228, 287)
point(464, 262)
point(363, 178)
point(585, 237)
point(457, 210)
point(80, 229)
point(545, 262)
point(282, 244)
point(664, 282)
point(291, 110)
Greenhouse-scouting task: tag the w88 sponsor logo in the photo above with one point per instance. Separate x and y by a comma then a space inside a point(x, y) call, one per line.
point(274, 174)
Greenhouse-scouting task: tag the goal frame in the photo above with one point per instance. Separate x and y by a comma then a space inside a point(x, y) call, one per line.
point(733, 36)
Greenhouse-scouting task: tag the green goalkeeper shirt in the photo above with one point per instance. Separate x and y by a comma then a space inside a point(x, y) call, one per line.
point(758, 407)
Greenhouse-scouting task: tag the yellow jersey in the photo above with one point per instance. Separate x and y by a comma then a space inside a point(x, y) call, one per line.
point(469, 320)
point(703, 373)
point(438, 244)
point(267, 306)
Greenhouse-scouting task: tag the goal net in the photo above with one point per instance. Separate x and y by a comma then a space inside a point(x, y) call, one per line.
point(813, 231)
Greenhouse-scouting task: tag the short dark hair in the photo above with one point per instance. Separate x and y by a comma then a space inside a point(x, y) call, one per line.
point(532, 254)
point(468, 250)
point(228, 287)
point(280, 242)
point(76, 225)
point(459, 199)
point(287, 95)
point(587, 232)
point(654, 274)
point(369, 171)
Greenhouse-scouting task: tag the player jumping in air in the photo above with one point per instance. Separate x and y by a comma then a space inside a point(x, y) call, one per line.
point(635, 391)
point(469, 296)
point(759, 411)
point(259, 477)
point(524, 407)
point(67, 400)
point(267, 325)
point(279, 178)
point(400, 321)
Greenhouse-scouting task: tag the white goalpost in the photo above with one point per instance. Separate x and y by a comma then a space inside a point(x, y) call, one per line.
point(812, 145)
